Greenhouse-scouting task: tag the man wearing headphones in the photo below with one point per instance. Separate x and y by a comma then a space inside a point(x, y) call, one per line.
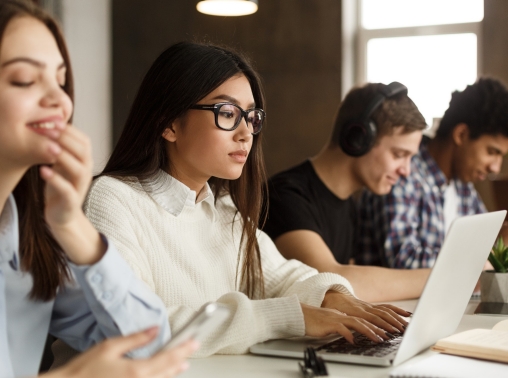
point(406, 228)
point(311, 214)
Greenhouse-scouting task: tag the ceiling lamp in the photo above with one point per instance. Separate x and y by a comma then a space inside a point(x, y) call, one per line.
point(227, 7)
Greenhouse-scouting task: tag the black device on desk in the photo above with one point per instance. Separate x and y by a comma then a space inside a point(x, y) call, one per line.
point(312, 366)
point(492, 308)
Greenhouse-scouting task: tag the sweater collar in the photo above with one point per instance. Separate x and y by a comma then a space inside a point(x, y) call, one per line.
point(173, 195)
point(9, 236)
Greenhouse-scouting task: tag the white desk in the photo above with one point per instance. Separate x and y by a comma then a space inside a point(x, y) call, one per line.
point(247, 366)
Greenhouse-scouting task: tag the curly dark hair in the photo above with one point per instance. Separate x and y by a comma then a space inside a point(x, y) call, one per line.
point(483, 107)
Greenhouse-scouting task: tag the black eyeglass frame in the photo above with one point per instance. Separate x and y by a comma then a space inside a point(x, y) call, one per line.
point(215, 108)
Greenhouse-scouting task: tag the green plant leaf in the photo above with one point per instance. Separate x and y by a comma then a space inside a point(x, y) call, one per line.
point(499, 245)
point(502, 256)
point(499, 248)
point(498, 267)
point(497, 253)
point(505, 258)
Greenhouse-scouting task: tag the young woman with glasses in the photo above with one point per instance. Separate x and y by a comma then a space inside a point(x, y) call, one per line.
point(57, 273)
point(181, 197)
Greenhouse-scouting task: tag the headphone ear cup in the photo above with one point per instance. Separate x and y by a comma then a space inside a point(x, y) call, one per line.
point(357, 138)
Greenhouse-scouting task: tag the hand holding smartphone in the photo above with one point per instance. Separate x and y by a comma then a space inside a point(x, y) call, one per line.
point(208, 318)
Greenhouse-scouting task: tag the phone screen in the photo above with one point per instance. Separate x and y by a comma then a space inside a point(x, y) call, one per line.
point(207, 319)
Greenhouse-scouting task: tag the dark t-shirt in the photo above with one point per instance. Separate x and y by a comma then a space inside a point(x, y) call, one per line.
point(299, 200)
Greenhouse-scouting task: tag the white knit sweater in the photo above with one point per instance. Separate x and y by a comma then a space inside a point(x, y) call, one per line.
point(187, 252)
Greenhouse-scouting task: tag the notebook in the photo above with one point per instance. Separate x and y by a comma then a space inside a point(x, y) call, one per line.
point(486, 344)
point(446, 366)
point(438, 312)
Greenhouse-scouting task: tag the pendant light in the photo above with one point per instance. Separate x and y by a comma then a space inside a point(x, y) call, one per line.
point(227, 7)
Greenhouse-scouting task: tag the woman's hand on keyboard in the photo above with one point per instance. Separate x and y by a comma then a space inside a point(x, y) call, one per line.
point(321, 322)
point(384, 316)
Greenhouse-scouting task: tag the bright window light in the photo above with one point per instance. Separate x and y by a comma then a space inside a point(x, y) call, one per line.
point(432, 67)
point(382, 14)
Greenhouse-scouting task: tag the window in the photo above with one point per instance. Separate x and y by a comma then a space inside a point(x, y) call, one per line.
point(431, 46)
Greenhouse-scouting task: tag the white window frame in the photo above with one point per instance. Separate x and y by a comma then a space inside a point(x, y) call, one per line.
point(355, 38)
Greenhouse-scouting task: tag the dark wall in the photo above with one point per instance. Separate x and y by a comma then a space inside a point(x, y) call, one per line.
point(294, 44)
point(494, 60)
point(495, 39)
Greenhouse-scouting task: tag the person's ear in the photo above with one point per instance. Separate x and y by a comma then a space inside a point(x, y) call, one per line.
point(170, 133)
point(460, 134)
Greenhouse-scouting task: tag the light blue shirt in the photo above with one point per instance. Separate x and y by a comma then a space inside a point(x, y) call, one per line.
point(105, 300)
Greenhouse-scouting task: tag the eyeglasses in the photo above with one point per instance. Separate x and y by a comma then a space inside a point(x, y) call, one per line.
point(228, 116)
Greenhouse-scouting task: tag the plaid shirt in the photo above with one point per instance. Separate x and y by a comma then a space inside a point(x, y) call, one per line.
point(406, 228)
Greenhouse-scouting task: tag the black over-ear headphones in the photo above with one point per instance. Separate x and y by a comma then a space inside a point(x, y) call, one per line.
point(357, 137)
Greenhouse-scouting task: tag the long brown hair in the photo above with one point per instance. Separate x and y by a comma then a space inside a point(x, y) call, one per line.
point(40, 254)
point(180, 77)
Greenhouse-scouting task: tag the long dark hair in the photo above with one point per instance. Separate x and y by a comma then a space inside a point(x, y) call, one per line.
point(39, 252)
point(180, 77)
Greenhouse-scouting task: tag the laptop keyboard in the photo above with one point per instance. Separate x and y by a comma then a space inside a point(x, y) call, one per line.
point(363, 346)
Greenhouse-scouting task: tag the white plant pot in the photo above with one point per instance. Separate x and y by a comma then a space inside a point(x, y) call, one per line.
point(494, 286)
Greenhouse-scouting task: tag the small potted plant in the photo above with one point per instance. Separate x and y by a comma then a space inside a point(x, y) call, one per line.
point(494, 283)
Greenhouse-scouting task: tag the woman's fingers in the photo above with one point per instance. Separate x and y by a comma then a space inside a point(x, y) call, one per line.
point(387, 315)
point(386, 312)
point(365, 328)
point(56, 182)
point(381, 319)
point(344, 331)
point(77, 144)
point(107, 359)
point(73, 170)
point(172, 361)
point(396, 310)
point(382, 316)
point(321, 322)
point(73, 160)
point(119, 346)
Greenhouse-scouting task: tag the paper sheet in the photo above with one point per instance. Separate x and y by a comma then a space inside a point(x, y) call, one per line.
point(446, 366)
point(501, 326)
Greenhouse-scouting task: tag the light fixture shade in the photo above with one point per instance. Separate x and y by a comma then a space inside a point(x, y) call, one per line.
point(228, 7)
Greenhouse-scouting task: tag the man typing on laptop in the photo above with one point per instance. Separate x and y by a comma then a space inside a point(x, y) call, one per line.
point(311, 215)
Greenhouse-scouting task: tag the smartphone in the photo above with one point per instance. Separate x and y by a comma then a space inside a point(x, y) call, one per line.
point(209, 317)
point(492, 308)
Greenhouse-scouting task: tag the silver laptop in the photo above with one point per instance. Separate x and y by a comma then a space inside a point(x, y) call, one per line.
point(439, 310)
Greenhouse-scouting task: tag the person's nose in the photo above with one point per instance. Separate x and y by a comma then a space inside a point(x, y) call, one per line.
point(243, 132)
point(54, 96)
point(405, 168)
point(495, 165)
